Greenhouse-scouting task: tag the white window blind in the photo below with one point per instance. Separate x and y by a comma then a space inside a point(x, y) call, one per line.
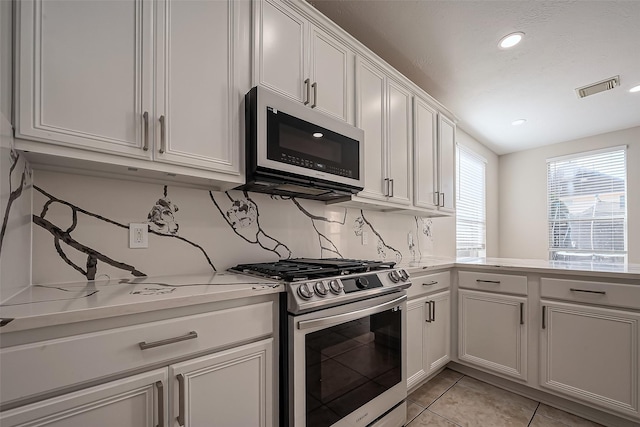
point(470, 204)
point(587, 209)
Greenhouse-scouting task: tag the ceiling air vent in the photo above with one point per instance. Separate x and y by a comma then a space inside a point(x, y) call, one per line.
point(598, 87)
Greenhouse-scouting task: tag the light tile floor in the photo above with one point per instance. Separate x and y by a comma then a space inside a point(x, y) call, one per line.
point(452, 399)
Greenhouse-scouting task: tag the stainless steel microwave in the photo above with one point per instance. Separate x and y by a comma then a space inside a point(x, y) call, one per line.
point(296, 151)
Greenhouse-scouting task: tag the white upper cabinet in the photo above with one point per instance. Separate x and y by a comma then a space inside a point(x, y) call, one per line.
point(447, 163)
point(198, 97)
point(302, 61)
point(132, 79)
point(425, 155)
point(383, 111)
point(434, 159)
point(84, 74)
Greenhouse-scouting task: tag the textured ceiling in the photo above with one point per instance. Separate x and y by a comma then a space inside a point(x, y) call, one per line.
point(449, 48)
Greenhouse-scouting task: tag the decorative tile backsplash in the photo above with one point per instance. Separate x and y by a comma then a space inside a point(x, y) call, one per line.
point(15, 211)
point(81, 229)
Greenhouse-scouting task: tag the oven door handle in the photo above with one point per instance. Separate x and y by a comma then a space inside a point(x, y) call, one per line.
point(341, 318)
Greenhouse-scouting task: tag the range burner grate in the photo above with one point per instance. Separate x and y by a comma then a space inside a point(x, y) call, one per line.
point(305, 268)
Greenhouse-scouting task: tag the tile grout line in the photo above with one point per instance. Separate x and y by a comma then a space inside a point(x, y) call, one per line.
point(443, 393)
point(424, 408)
point(533, 415)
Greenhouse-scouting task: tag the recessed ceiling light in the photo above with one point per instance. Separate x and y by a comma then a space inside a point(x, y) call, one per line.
point(318, 135)
point(635, 89)
point(510, 40)
point(519, 122)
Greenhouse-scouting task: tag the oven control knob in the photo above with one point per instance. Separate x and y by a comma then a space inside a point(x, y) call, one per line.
point(321, 289)
point(362, 283)
point(394, 276)
point(336, 286)
point(305, 291)
point(403, 275)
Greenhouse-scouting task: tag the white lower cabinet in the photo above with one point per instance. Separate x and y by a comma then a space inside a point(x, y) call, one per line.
point(492, 333)
point(591, 354)
point(204, 392)
point(136, 401)
point(228, 389)
point(428, 336)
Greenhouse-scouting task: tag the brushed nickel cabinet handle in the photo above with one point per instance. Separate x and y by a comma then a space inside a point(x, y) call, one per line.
point(392, 187)
point(145, 117)
point(442, 205)
point(588, 291)
point(428, 320)
point(544, 317)
point(315, 94)
point(433, 310)
point(387, 184)
point(145, 345)
point(522, 313)
point(163, 137)
point(181, 407)
point(306, 83)
point(437, 194)
point(160, 388)
point(430, 283)
point(496, 282)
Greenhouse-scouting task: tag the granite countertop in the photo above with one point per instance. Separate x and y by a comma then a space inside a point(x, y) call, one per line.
point(48, 305)
point(591, 269)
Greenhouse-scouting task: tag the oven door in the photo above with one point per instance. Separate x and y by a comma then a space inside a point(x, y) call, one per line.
point(347, 364)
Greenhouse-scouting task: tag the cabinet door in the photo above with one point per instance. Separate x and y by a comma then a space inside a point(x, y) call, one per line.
point(399, 143)
point(446, 162)
point(370, 117)
point(416, 341)
point(592, 354)
point(492, 333)
point(438, 345)
point(425, 151)
point(332, 75)
point(232, 388)
point(197, 89)
point(84, 74)
point(137, 401)
point(281, 49)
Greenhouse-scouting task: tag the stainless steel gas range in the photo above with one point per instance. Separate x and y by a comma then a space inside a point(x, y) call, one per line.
point(343, 352)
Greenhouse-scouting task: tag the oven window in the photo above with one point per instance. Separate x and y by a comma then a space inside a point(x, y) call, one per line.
point(348, 365)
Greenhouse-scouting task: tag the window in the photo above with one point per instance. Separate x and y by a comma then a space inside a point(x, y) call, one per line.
point(586, 205)
point(470, 204)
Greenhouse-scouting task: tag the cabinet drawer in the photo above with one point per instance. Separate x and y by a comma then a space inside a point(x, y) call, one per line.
point(55, 364)
point(614, 294)
point(493, 282)
point(425, 284)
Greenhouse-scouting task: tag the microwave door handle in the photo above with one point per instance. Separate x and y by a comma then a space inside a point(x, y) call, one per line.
point(352, 315)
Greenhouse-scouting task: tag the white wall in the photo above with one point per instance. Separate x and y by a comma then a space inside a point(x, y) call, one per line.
point(15, 244)
point(523, 192)
point(492, 198)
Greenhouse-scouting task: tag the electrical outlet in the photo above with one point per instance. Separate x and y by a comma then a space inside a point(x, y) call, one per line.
point(138, 235)
point(365, 237)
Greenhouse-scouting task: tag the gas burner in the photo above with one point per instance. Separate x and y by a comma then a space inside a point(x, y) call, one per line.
point(297, 269)
point(314, 284)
